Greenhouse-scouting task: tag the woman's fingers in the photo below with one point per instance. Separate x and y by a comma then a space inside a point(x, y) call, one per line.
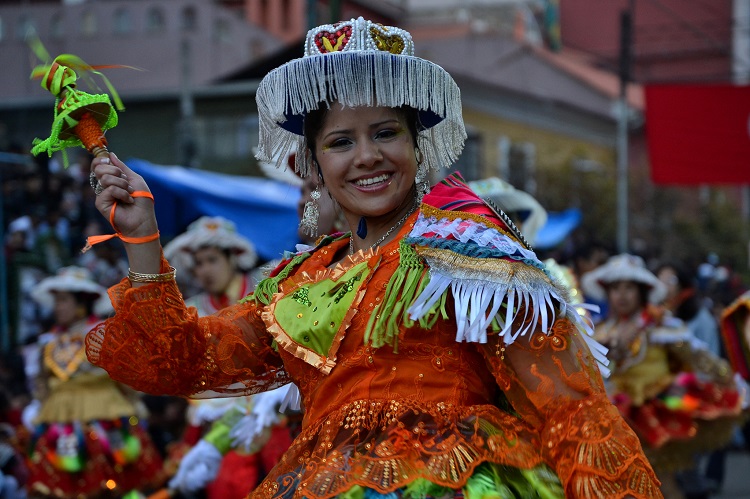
point(114, 185)
point(116, 179)
point(135, 180)
point(110, 180)
point(120, 194)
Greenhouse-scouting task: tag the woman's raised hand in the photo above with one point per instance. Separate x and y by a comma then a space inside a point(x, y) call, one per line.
point(134, 217)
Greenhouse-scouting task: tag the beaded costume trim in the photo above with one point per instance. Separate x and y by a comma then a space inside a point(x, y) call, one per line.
point(339, 292)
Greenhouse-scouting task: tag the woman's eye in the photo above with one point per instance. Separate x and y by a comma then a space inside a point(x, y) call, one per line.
point(338, 143)
point(386, 133)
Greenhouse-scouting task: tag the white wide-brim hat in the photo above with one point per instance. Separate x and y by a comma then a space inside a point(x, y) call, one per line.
point(73, 280)
point(208, 232)
point(512, 200)
point(358, 63)
point(623, 267)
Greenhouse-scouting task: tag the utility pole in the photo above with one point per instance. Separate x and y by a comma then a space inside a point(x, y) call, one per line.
point(187, 147)
point(622, 129)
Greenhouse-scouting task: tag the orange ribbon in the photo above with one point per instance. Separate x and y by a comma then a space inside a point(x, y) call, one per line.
point(92, 240)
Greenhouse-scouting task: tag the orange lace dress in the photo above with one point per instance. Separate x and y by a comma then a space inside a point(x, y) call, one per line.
point(392, 400)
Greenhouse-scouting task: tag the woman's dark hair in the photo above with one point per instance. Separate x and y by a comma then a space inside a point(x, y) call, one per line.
point(314, 121)
point(643, 291)
point(87, 300)
point(227, 252)
point(689, 304)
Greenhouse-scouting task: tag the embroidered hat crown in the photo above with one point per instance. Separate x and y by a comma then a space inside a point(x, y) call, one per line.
point(358, 34)
point(358, 63)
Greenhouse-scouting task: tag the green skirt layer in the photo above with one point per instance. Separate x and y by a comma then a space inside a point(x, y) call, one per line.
point(489, 481)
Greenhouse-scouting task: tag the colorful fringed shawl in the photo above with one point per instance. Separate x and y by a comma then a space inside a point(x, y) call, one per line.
point(460, 248)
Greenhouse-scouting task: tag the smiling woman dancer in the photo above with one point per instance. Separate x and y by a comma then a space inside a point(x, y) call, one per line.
point(434, 355)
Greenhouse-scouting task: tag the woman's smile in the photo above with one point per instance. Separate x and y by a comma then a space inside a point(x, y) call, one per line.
point(370, 183)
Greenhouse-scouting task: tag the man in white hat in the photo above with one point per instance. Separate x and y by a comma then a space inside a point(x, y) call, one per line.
point(220, 260)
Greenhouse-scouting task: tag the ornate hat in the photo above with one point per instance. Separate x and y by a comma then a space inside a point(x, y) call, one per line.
point(623, 267)
point(210, 232)
point(511, 200)
point(358, 63)
point(74, 280)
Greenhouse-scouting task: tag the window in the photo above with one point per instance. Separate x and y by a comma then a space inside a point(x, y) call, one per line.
point(522, 162)
point(2, 30)
point(57, 26)
point(222, 31)
point(26, 27)
point(189, 19)
point(123, 23)
point(228, 137)
point(517, 163)
point(155, 22)
point(88, 23)
point(471, 157)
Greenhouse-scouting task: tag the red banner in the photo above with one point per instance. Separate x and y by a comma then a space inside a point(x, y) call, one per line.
point(698, 134)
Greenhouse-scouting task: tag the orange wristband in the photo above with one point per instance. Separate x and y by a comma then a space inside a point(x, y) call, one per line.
point(92, 240)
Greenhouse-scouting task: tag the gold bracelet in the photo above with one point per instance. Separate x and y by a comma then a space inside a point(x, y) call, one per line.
point(138, 277)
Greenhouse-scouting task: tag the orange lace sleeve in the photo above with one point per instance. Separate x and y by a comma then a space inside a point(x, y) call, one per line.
point(157, 345)
point(553, 382)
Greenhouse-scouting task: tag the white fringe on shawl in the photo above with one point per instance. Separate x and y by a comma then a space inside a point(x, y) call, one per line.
point(358, 78)
point(480, 293)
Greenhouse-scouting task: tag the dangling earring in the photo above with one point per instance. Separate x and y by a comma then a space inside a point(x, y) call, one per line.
point(362, 228)
point(311, 214)
point(418, 155)
point(423, 184)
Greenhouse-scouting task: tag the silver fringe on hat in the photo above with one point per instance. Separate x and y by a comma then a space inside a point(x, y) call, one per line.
point(369, 65)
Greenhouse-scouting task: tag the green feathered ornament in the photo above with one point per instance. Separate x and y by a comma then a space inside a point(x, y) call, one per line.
point(80, 119)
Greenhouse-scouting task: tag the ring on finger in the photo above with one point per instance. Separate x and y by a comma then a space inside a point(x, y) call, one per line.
point(95, 184)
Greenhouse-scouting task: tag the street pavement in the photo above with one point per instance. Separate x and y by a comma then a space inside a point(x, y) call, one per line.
point(737, 478)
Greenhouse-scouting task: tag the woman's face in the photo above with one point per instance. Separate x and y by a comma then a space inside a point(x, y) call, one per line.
point(367, 158)
point(67, 310)
point(213, 269)
point(624, 298)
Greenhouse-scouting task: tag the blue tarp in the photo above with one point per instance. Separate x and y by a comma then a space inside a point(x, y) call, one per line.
point(264, 210)
point(559, 226)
